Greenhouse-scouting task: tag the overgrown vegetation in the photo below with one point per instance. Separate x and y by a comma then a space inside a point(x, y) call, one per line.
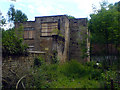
point(72, 75)
point(104, 26)
point(12, 44)
point(12, 39)
point(38, 61)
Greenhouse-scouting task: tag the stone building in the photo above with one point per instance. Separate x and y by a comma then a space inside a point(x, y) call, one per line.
point(56, 36)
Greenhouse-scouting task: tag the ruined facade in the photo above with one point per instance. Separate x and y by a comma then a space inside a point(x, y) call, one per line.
point(56, 35)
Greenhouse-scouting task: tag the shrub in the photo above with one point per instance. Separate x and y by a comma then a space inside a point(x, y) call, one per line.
point(38, 61)
point(55, 57)
point(12, 44)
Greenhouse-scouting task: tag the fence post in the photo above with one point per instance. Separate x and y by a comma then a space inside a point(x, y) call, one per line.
point(112, 84)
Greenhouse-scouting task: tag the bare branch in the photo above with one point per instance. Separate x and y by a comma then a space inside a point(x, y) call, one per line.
point(19, 81)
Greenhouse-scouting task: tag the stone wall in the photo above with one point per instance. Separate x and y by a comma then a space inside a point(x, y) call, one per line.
point(78, 33)
point(49, 43)
point(15, 67)
point(13, 62)
point(66, 43)
point(28, 24)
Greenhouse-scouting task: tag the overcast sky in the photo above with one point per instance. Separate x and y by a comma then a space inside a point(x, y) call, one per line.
point(32, 8)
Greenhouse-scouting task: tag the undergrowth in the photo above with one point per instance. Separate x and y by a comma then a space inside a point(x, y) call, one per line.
point(71, 74)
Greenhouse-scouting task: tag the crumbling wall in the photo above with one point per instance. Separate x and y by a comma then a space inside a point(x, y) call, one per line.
point(28, 26)
point(78, 35)
point(15, 67)
point(65, 41)
point(58, 42)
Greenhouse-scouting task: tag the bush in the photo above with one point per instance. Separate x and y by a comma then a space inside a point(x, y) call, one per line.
point(38, 61)
point(11, 44)
point(55, 57)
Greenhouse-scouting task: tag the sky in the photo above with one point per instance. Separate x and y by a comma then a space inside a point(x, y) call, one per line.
point(33, 8)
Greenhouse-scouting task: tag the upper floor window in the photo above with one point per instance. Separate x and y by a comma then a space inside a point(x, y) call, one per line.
point(48, 29)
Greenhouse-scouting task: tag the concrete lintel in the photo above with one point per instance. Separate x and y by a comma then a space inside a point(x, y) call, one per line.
point(38, 52)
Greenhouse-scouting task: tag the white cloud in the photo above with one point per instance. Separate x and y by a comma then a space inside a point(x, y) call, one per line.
point(44, 10)
point(31, 9)
point(8, 26)
point(76, 8)
point(85, 5)
point(22, 5)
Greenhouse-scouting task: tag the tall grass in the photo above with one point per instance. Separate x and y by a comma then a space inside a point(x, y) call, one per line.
point(71, 74)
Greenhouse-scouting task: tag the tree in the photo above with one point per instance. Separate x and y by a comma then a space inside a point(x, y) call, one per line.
point(2, 20)
point(12, 44)
point(70, 17)
point(104, 25)
point(12, 41)
point(16, 15)
point(11, 13)
point(20, 17)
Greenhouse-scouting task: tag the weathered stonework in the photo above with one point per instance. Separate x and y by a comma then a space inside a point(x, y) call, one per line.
point(55, 33)
point(15, 67)
point(78, 38)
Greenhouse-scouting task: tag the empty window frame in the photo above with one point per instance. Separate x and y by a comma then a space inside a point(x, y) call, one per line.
point(48, 29)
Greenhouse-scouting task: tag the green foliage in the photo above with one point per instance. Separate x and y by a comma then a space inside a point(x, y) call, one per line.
point(104, 25)
point(82, 41)
point(58, 32)
point(70, 17)
point(20, 17)
point(20, 31)
point(11, 13)
point(3, 21)
point(108, 76)
point(55, 57)
point(94, 64)
point(38, 61)
point(16, 15)
point(76, 70)
point(11, 44)
point(68, 75)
